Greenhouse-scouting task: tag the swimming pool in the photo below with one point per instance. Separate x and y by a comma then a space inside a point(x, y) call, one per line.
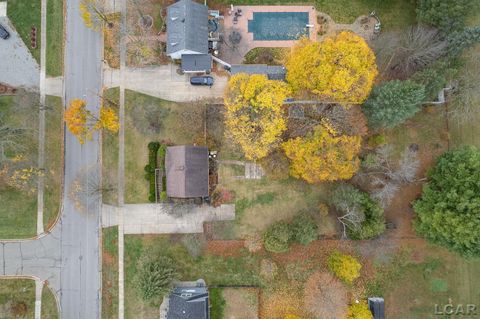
point(278, 26)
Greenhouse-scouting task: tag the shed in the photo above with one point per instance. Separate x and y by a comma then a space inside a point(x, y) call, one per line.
point(187, 29)
point(273, 72)
point(377, 307)
point(187, 171)
point(193, 63)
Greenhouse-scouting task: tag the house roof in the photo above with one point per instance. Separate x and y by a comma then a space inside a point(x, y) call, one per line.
point(377, 307)
point(196, 62)
point(187, 171)
point(273, 72)
point(188, 303)
point(187, 27)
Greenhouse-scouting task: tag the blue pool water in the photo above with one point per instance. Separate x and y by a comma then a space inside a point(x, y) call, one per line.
point(278, 26)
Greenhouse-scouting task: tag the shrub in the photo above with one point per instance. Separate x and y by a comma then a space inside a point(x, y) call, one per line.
point(345, 267)
point(436, 77)
point(377, 140)
point(359, 311)
point(163, 196)
point(448, 212)
point(153, 146)
point(393, 102)
point(304, 229)
point(154, 278)
point(365, 216)
point(446, 15)
point(217, 302)
point(277, 237)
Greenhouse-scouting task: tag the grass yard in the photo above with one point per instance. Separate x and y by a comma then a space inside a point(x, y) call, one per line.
point(17, 298)
point(216, 270)
point(55, 37)
point(49, 304)
point(412, 289)
point(110, 273)
point(18, 211)
point(110, 155)
point(25, 14)
point(53, 160)
point(151, 119)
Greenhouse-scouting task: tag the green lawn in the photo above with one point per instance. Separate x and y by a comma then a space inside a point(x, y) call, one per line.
point(151, 119)
point(17, 298)
point(55, 37)
point(18, 211)
point(215, 270)
point(412, 290)
point(24, 15)
point(53, 160)
point(49, 304)
point(110, 273)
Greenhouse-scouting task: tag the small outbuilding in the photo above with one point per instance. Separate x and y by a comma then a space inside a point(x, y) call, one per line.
point(273, 72)
point(188, 300)
point(187, 171)
point(196, 63)
point(377, 307)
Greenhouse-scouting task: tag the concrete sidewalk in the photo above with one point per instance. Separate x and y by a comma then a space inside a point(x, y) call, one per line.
point(163, 82)
point(165, 218)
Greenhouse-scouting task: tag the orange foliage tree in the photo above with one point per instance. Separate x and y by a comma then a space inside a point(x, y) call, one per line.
point(254, 115)
point(341, 69)
point(323, 155)
point(82, 123)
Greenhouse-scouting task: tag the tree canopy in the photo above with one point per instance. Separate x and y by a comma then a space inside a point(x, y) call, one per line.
point(254, 116)
point(393, 102)
point(345, 267)
point(277, 237)
point(445, 15)
point(323, 155)
point(448, 212)
point(359, 311)
point(341, 69)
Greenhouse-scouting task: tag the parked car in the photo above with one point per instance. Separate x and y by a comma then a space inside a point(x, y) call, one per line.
point(201, 80)
point(4, 33)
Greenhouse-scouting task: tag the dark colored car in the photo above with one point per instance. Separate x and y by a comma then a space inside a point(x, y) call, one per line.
point(4, 33)
point(201, 80)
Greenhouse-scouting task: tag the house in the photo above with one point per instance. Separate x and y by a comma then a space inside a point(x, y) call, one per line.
point(187, 35)
point(187, 171)
point(377, 307)
point(273, 72)
point(188, 300)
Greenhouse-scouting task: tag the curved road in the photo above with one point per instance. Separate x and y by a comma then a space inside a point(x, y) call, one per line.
point(69, 256)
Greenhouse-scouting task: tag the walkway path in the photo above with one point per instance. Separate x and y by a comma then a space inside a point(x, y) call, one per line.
point(38, 298)
point(163, 82)
point(164, 218)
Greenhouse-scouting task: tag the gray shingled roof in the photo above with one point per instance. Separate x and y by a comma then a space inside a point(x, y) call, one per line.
point(196, 62)
point(187, 27)
point(187, 171)
point(273, 72)
point(188, 303)
point(377, 307)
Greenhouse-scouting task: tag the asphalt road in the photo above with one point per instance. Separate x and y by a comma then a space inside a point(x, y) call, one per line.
point(69, 257)
point(80, 279)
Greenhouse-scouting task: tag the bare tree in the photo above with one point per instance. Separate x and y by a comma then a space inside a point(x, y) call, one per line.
point(384, 176)
point(465, 104)
point(87, 188)
point(411, 51)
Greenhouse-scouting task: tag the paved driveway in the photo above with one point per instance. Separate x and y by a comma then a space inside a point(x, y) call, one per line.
point(163, 82)
point(17, 66)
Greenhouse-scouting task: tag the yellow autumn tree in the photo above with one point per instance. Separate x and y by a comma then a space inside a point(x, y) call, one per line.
point(340, 68)
point(254, 115)
point(359, 311)
point(323, 155)
point(345, 267)
point(292, 317)
point(82, 123)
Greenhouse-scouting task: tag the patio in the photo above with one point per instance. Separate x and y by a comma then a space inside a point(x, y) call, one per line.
point(238, 39)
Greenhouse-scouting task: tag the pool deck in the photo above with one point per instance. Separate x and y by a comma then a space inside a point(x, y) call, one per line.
point(235, 55)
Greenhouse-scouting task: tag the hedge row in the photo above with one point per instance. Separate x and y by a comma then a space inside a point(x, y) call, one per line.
point(155, 151)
